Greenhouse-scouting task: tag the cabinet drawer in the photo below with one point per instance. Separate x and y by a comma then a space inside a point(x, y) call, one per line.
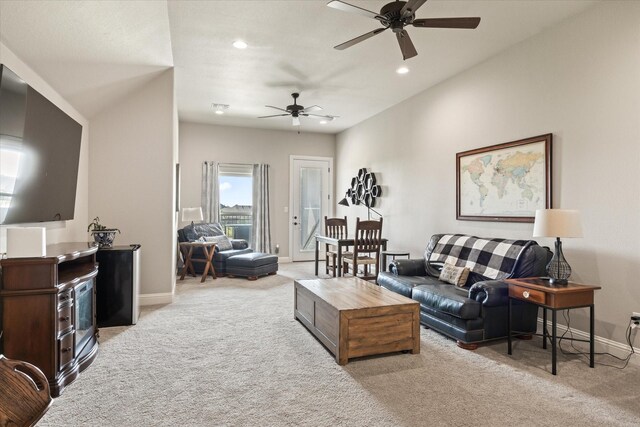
point(526, 294)
point(65, 349)
point(64, 318)
point(64, 297)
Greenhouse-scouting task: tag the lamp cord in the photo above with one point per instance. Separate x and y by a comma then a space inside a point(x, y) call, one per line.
point(567, 318)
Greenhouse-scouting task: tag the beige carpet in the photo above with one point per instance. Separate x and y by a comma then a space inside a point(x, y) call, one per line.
point(229, 353)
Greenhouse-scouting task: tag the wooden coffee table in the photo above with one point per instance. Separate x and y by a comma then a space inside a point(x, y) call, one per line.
point(355, 318)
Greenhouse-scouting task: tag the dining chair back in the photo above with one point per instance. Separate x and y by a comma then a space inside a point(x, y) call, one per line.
point(366, 248)
point(24, 393)
point(335, 228)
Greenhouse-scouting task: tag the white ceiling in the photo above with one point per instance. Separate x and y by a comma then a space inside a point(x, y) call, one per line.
point(94, 52)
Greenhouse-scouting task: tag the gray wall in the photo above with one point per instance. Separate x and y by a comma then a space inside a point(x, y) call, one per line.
point(200, 142)
point(580, 81)
point(133, 156)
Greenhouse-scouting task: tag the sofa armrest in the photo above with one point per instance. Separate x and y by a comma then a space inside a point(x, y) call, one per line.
point(407, 267)
point(490, 293)
point(239, 243)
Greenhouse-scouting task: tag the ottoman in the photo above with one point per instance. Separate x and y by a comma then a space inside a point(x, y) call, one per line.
point(252, 265)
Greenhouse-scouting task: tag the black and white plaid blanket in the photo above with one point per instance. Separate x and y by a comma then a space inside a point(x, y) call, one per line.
point(492, 258)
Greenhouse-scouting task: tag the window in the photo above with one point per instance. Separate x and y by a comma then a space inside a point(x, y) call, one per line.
point(236, 200)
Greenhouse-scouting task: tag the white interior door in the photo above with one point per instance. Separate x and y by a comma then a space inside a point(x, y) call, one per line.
point(310, 201)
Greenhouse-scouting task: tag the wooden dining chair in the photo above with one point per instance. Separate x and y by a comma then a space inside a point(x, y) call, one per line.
point(335, 228)
point(366, 249)
point(24, 393)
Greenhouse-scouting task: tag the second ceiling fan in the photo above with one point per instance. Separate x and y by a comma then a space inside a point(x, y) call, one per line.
point(396, 15)
point(296, 111)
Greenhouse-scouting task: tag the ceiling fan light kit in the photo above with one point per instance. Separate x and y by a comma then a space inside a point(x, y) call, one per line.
point(395, 16)
point(219, 108)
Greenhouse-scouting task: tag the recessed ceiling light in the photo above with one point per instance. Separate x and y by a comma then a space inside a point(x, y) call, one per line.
point(239, 44)
point(323, 122)
point(219, 108)
point(402, 70)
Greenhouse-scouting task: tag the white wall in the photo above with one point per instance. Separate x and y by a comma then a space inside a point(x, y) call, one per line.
point(133, 156)
point(62, 231)
point(579, 81)
point(227, 144)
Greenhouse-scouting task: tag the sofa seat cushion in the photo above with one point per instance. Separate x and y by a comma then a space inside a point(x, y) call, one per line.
point(448, 299)
point(402, 285)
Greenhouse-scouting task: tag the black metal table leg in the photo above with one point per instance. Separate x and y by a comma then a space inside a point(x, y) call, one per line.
point(545, 333)
point(317, 255)
point(509, 326)
point(554, 319)
point(591, 335)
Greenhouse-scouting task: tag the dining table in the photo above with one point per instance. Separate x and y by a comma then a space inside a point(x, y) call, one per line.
point(339, 243)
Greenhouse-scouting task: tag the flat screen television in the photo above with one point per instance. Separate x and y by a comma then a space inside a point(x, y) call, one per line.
point(39, 155)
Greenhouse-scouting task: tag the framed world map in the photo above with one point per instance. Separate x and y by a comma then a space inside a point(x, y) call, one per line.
point(504, 182)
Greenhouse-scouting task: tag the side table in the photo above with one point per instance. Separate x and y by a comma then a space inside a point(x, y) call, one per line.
point(187, 251)
point(392, 253)
point(540, 292)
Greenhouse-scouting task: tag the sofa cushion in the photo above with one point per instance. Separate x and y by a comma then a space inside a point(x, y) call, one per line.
point(222, 242)
point(403, 285)
point(454, 275)
point(447, 298)
point(223, 256)
point(194, 232)
point(492, 258)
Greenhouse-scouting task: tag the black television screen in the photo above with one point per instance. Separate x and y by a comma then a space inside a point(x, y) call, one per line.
point(39, 155)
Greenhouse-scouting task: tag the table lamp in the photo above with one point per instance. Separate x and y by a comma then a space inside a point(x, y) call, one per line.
point(557, 223)
point(192, 214)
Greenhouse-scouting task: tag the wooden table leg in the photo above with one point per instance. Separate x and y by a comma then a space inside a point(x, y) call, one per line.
point(208, 267)
point(339, 258)
point(188, 265)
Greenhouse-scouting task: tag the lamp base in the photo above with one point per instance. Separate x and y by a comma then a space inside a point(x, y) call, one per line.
point(558, 282)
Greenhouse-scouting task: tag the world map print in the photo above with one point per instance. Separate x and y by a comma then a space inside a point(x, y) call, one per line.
point(504, 182)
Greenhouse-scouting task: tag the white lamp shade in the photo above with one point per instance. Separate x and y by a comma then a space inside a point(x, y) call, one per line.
point(557, 223)
point(192, 214)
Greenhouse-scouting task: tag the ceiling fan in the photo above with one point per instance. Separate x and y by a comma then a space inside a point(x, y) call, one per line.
point(396, 15)
point(295, 111)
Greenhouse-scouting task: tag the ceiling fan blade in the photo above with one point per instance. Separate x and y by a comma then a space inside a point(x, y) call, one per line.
point(406, 45)
point(275, 115)
point(318, 116)
point(469, 23)
point(410, 7)
point(277, 108)
point(359, 39)
point(296, 121)
point(346, 7)
point(312, 108)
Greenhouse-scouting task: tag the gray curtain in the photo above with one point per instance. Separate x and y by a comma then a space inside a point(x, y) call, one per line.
point(209, 195)
point(261, 222)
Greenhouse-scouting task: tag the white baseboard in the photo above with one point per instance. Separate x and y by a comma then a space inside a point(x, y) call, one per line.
point(602, 344)
point(284, 259)
point(155, 299)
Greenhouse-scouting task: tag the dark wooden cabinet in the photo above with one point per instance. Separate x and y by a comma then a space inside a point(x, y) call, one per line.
point(49, 311)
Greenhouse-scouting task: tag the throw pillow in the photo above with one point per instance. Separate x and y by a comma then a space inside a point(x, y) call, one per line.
point(454, 275)
point(222, 242)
